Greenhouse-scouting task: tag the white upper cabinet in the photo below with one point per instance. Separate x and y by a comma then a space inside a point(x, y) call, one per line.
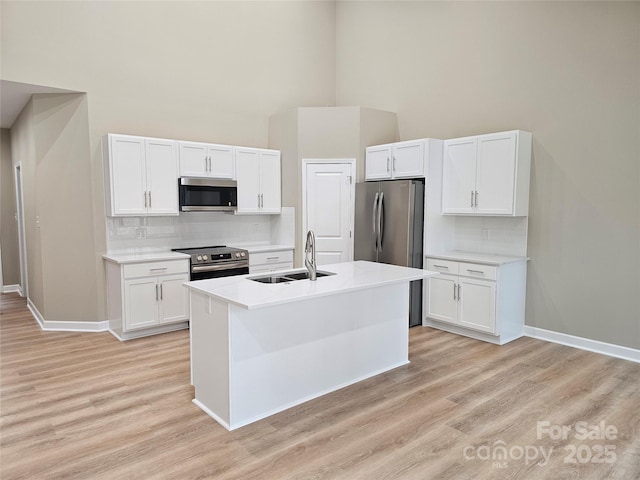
point(206, 160)
point(487, 174)
point(396, 160)
point(259, 181)
point(141, 174)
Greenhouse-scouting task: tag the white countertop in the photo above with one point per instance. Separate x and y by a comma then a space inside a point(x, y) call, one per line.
point(144, 257)
point(241, 291)
point(252, 248)
point(482, 258)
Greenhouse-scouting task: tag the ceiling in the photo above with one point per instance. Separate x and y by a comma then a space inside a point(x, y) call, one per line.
point(15, 95)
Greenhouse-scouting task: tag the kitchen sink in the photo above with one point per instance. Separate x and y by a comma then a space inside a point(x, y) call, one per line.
point(305, 275)
point(288, 277)
point(272, 279)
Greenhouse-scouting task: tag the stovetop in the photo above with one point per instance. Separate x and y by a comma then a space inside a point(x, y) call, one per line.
point(214, 254)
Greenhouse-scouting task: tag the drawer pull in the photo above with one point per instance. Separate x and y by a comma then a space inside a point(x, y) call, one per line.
point(441, 266)
point(480, 272)
point(158, 269)
point(273, 258)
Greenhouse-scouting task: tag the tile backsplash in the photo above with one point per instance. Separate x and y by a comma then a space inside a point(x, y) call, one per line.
point(197, 229)
point(497, 235)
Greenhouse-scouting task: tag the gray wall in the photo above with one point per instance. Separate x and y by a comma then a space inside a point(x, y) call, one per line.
point(9, 231)
point(50, 141)
point(208, 71)
point(569, 73)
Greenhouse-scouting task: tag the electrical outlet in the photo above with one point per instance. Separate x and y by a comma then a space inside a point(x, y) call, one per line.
point(141, 232)
point(485, 234)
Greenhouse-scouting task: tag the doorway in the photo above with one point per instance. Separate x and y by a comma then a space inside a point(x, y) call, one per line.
point(328, 207)
point(22, 244)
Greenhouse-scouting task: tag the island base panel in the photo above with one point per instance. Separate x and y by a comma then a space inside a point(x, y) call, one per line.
point(287, 354)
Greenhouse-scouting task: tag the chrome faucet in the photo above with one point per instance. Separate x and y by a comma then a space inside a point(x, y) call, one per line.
point(310, 248)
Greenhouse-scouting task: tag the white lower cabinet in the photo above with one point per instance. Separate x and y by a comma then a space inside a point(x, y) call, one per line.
point(272, 261)
point(477, 300)
point(147, 298)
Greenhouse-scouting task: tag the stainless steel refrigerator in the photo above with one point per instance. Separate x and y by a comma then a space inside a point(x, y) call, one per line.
point(389, 228)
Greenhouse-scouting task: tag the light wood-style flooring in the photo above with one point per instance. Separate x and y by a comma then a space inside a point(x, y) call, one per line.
point(84, 405)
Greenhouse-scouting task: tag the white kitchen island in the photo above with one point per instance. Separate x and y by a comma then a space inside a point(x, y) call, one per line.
point(258, 349)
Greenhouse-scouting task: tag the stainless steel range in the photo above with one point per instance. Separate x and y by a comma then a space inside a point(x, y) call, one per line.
point(218, 261)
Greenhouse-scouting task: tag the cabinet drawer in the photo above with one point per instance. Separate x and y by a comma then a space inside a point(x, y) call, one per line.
point(443, 266)
point(153, 269)
point(475, 270)
point(267, 258)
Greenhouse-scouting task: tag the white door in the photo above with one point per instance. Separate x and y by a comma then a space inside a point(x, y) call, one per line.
point(248, 178)
point(378, 162)
point(459, 175)
point(221, 162)
point(329, 206)
point(128, 175)
point(162, 176)
point(477, 304)
point(193, 159)
point(442, 303)
point(141, 297)
point(496, 173)
point(408, 159)
point(270, 182)
point(174, 299)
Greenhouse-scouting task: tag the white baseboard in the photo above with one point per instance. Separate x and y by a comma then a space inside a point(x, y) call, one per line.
point(609, 349)
point(11, 289)
point(58, 326)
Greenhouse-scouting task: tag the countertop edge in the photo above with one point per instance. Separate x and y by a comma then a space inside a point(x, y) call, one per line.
point(480, 258)
point(129, 258)
point(263, 248)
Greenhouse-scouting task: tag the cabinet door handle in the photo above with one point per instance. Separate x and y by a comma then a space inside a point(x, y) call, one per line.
point(475, 271)
point(476, 198)
point(394, 163)
point(160, 291)
point(388, 163)
point(149, 199)
point(441, 266)
point(145, 199)
point(471, 198)
point(454, 291)
point(156, 293)
point(258, 200)
point(459, 292)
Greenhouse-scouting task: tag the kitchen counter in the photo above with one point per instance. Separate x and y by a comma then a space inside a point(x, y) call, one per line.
point(350, 276)
point(126, 258)
point(482, 258)
point(258, 349)
point(263, 248)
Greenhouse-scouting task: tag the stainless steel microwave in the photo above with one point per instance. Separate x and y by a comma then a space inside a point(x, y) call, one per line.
point(207, 195)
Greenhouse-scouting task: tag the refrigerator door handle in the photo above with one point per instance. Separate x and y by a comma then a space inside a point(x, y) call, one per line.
point(380, 220)
point(373, 220)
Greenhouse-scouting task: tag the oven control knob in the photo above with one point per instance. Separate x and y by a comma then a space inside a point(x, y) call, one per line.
point(205, 257)
point(199, 258)
point(244, 254)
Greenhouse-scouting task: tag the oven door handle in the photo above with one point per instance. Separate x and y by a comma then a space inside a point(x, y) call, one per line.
point(218, 268)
